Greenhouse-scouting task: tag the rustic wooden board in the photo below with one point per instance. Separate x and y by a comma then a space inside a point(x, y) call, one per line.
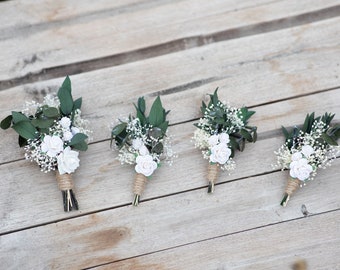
point(306, 67)
point(166, 222)
point(315, 239)
point(93, 38)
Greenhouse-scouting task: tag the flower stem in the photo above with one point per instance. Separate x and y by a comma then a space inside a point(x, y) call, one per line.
point(136, 200)
point(211, 187)
point(69, 200)
point(285, 200)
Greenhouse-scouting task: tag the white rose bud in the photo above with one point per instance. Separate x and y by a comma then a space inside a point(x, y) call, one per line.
point(296, 156)
point(213, 140)
point(67, 135)
point(300, 169)
point(68, 161)
point(137, 143)
point(220, 153)
point(145, 165)
point(143, 151)
point(65, 122)
point(224, 138)
point(307, 150)
point(52, 145)
point(75, 130)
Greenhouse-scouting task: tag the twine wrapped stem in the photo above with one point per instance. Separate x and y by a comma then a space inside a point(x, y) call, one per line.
point(292, 185)
point(138, 187)
point(212, 176)
point(65, 184)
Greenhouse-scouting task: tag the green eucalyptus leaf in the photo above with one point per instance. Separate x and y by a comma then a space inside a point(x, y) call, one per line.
point(156, 116)
point(6, 123)
point(78, 138)
point(155, 132)
point(241, 144)
point(65, 97)
point(81, 146)
point(158, 148)
point(118, 129)
point(22, 141)
point(164, 126)
point(246, 135)
point(51, 112)
point(18, 117)
point(42, 123)
point(25, 129)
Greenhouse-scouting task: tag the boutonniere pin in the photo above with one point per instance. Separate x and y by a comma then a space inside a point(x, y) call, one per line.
point(142, 140)
point(50, 133)
point(307, 148)
point(220, 132)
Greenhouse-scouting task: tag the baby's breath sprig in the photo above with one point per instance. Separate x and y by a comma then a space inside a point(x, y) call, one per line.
point(144, 141)
point(307, 149)
point(220, 133)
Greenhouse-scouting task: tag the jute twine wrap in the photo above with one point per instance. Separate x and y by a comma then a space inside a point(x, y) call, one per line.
point(139, 185)
point(212, 173)
point(292, 186)
point(64, 181)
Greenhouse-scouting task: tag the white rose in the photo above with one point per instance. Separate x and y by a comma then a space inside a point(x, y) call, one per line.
point(296, 156)
point(75, 130)
point(220, 153)
point(143, 150)
point(224, 138)
point(52, 145)
point(68, 161)
point(300, 169)
point(65, 122)
point(67, 135)
point(137, 143)
point(145, 165)
point(307, 150)
point(213, 140)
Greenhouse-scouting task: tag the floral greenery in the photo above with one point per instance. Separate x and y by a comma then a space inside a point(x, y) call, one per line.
point(143, 138)
point(228, 123)
point(38, 125)
point(309, 147)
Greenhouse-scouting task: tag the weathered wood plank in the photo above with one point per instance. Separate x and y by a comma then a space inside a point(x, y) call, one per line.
point(315, 239)
point(166, 222)
point(293, 62)
point(158, 25)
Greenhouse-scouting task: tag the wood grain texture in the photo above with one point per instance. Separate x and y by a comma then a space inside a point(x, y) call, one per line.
point(166, 222)
point(315, 239)
point(114, 35)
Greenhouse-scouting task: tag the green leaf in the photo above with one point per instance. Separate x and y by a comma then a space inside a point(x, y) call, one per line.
point(241, 144)
point(18, 117)
point(158, 148)
point(81, 146)
point(42, 123)
point(65, 97)
point(246, 135)
point(141, 105)
point(22, 141)
point(164, 126)
point(156, 116)
point(155, 132)
point(118, 129)
point(6, 123)
point(25, 129)
point(77, 138)
point(285, 132)
point(77, 104)
point(328, 139)
point(203, 107)
point(51, 112)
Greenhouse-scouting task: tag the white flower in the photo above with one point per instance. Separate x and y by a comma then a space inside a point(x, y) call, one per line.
point(67, 135)
point(224, 138)
point(65, 122)
point(143, 150)
point(213, 140)
point(52, 145)
point(296, 156)
point(137, 143)
point(145, 165)
point(300, 169)
point(220, 153)
point(75, 130)
point(307, 150)
point(68, 161)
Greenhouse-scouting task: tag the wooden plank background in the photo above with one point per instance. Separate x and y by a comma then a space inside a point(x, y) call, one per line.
point(280, 58)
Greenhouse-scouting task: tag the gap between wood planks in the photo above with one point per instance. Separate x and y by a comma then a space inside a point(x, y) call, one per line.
point(261, 136)
point(172, 47)
point(215, 237)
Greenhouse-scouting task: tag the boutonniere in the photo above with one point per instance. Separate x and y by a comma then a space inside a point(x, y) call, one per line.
point(220, 132)
point(50, 133)
point(307, 148)
point(142, 140)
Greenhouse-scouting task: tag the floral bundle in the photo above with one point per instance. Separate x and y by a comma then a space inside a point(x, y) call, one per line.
point(143, 140)
point(306, 149)
point(50, 132)
point(220, 132)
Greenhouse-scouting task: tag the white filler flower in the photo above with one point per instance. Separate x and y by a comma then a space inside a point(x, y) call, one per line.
point(65, 122)
point(220, 153)
point(145, 165)
point(68, 161)
point(137, 143)
point(52, 145)
point(300, 169)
